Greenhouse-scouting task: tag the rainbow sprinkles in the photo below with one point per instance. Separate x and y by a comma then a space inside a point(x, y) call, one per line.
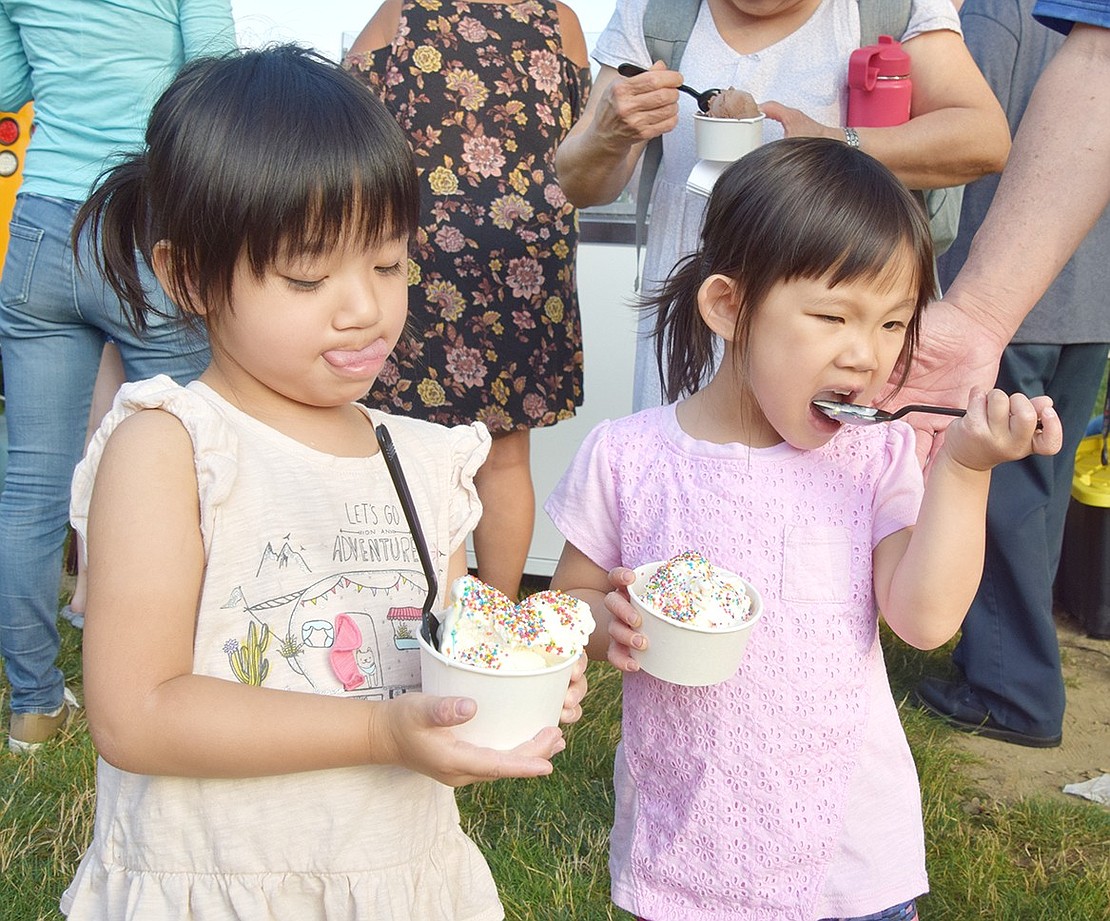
point(483, 628)
point(691, 590)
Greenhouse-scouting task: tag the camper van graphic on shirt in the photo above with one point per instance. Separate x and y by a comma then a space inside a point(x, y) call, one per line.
point(351, 632)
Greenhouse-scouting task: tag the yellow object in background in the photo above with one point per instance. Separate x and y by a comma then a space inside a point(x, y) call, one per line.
point(15, 132)
point(1091, 482)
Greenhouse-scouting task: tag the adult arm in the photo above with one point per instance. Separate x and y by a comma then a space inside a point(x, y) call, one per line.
point(956, 133)
point(1052, 191)
point(207, 27)
point(379, 31)
point(573, 38)
point(149, 713)
point(15, 72)
point(599, 155)
point(1054, 188)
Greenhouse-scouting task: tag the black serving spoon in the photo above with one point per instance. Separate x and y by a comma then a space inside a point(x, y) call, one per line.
point(632, 70)
point(429, 624)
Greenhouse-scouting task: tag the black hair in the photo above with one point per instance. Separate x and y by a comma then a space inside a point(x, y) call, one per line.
point(797, 208)
point(260, 153)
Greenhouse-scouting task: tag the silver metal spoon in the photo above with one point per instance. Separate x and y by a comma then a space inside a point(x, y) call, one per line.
point(632, 70)
point(855, 414)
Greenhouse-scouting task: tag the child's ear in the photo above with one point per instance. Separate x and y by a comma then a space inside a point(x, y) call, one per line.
point(162, 261)
point(718, 303)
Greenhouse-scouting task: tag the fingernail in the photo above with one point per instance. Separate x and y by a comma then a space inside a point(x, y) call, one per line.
point(638, 641)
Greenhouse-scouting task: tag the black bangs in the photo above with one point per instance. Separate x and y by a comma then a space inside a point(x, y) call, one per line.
point(812, 208)
point(270, 153)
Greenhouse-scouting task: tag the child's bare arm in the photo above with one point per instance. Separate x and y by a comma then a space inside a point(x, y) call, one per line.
point(606, 593)
point(927, 576)
point(150, 714)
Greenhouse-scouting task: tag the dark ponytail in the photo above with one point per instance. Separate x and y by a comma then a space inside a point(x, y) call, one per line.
point(683, 343)
point(115, 221)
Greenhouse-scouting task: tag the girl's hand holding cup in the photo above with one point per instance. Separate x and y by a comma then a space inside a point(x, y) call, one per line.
point(416, 731)
point(623, 621)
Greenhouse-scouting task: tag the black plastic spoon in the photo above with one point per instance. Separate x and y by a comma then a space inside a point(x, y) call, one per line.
point(632, 70)
point(429, 624)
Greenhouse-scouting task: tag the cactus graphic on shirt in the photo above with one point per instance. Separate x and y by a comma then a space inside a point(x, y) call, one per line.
point(247, 660)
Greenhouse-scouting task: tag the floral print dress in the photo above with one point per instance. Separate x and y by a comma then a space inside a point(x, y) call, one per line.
point(486, 94)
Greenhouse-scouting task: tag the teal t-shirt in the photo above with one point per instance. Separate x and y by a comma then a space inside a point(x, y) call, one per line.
point(94, 68)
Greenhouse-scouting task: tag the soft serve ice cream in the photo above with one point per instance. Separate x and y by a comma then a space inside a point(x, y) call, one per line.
point(732, 127)
point(485, 629)
point(691, 590)
point(514, 660)
point(695, 617)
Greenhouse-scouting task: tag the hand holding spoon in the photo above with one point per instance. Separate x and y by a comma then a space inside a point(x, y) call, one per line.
point(632, 70)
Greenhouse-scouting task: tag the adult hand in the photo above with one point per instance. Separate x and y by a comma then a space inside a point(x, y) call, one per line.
point(796, 124)
point(632, 110)
point(623, 621)
point(954, 354)
point(417, 733)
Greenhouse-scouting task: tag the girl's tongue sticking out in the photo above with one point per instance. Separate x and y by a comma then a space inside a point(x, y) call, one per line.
point(367, 360)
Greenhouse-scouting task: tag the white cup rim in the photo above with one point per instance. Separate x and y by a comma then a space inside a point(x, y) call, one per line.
point(703, 116)
point(492, 672)
point(751, 590)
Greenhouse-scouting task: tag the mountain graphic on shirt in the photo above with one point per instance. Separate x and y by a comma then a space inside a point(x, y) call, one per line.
point(282, 559)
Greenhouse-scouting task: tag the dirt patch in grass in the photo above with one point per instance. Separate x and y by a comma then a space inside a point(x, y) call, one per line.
point(1007, 772)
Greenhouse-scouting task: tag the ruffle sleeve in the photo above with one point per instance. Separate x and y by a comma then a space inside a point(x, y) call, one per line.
point(215, 447)
point(468, 448)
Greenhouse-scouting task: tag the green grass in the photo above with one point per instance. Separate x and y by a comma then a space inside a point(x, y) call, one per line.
point(1039, 859)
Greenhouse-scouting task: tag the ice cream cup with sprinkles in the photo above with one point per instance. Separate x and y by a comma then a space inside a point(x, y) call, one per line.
point(513, 660)
point(697, 619)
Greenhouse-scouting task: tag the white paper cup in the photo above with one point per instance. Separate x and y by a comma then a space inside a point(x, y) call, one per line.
point(726, 139)
point(512, 706)
point(684, 654)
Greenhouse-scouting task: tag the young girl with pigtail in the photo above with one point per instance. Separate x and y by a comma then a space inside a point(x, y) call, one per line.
point(254, 591)
point(786, 791)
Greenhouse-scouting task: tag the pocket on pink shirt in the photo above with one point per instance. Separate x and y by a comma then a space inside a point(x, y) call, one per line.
point(817, 564)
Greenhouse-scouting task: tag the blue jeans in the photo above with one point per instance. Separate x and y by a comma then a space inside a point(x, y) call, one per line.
point(907, 911)
point(55, 314)
point(1008, 650)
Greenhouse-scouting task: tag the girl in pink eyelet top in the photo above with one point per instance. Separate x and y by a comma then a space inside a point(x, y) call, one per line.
point(786, 792)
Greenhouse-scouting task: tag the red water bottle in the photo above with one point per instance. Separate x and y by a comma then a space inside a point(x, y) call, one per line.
point(879, 87)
